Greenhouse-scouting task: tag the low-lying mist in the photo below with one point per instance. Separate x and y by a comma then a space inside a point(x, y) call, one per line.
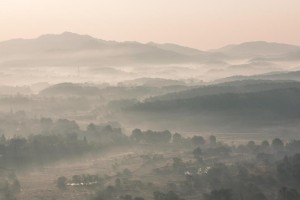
point(84, 118)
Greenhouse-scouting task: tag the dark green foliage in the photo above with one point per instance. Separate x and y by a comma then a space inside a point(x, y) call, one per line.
point(222, 194)
point(177, 138)
point(107, 194)
point(41, 149)
point(129, 197)
point(139, 198)
point(137, 135)
point(293, 147)
point(9, 186)
point(61, 182)
point(289, 169)
point(104, 135)
point(288, 194)
point(197, 153)
point(72, 89)
point(166, 196)
point(224, 111)
point(265, 144)
point(198, 140)
point(178, 164)
point(126, 173)
point(151, 137)
point(277, 144)
point(57, 140)
point(212, 140)
point(126, 197)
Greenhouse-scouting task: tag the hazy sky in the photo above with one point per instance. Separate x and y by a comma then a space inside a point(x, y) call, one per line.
point(202, 24)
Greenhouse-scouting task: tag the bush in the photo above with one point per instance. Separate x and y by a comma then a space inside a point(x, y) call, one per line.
point(61, 182)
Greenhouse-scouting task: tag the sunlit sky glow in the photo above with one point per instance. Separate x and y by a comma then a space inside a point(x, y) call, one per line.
point(202, 24)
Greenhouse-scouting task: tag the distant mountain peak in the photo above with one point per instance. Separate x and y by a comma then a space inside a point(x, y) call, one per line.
point(66, 35)
point(256, 49)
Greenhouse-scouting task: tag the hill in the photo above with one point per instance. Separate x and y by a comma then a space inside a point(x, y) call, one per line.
point(69, 49)
point(234, 112)
point(257, 49)
point(239, 86)
point(70, 89)
point(289, 76)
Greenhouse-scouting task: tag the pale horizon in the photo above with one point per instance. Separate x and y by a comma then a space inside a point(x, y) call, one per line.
point(150, 100)
point(197, 24)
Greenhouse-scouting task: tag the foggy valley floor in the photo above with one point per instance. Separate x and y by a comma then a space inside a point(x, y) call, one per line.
point(106, 164)
point(89, 119)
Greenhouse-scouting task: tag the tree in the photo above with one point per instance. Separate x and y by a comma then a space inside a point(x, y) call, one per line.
point(288, 169)
point(166, 196)
point(222, 194)
point(137, 135)
point(178, 164)
point(265, 144)
point(251, 145)
point(197, 153)
point(126, 197)
point(46, 124)
point(177, 138)
point(259, 196)
point(16, 186)
point(293, 147)
point(288, 194)
point(139, 198)
point(61, 182)
point(91, 128)
point(127, 173)
point(2, 139)
point(166, 136)
point(212, 140)
point(198, 140)
point(277, 144)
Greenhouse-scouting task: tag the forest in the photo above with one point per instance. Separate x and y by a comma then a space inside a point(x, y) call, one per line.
point(147, 164)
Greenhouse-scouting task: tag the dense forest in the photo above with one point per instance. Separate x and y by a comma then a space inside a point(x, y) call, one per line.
point(167, 165)
point(83, 118)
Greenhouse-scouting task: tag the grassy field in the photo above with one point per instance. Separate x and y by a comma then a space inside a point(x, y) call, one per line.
point(40, 183)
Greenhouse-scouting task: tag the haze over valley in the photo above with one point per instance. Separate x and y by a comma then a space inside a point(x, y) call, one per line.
point(149, 100)
point(81, 58)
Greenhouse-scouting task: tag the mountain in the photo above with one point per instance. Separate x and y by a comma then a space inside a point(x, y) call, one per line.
point(235, 112)
point(239, 86)
point(152, 82)
point(246, 69)
point(178, 49)
point(51, 43)
point(70, 89)
point(291, 76)
point(257, 49)
point(69, 49)
point(17, 90)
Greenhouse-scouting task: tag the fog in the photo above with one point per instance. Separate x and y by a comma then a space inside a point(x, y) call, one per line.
point(85, 118)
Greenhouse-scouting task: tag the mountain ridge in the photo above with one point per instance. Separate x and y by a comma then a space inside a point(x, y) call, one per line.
point(63, 49)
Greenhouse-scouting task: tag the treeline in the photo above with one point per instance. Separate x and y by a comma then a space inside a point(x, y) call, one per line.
point(234, 104)
point(9, 185)
point(208, 169)
point(248, 181)
point(264, 171)
point(62, 138)
point(18, 152)
point(224, 112)
point(59, 139)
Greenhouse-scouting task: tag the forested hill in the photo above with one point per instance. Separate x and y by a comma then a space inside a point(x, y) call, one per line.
point(228, 111)
point(242, 86)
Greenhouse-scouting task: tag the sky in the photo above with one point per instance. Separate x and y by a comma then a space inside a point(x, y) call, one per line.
point(202, 24)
